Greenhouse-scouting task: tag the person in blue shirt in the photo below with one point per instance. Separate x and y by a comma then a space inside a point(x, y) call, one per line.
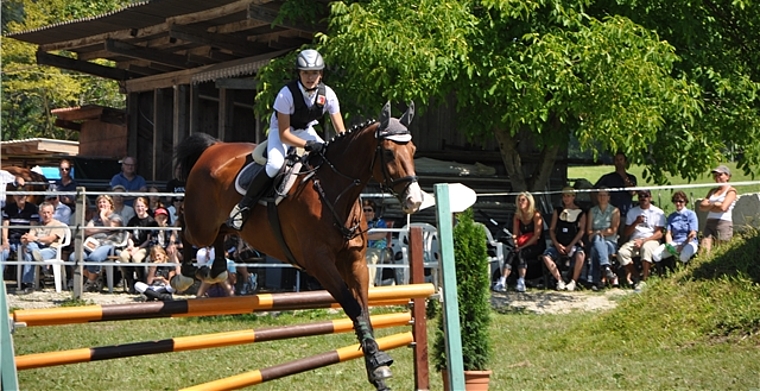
point(681, 235)
point(129, 179)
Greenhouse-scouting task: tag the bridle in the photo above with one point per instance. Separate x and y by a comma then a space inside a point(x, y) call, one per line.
point(388, 183)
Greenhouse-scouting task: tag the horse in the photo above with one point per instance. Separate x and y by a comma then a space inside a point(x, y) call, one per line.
point(321, 228)
point(34, 181)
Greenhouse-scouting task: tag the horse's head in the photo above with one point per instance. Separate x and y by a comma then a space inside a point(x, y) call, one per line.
point(395, 155)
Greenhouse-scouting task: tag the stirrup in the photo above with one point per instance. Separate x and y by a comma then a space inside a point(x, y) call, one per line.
point(237, 217)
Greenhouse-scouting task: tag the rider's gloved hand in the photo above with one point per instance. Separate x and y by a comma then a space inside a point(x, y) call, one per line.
point(314, 146)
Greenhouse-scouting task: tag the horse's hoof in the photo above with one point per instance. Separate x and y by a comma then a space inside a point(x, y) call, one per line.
point(181, 283)
point(221, 277)
point(382, 373)
point(188, 270)
point(380, 385)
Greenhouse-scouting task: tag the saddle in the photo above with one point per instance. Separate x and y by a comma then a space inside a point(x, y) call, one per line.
point(283, 181)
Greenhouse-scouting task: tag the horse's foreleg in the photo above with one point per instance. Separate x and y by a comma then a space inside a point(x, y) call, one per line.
point(185, 280)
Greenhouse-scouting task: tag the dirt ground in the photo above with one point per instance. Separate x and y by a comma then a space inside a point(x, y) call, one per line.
point(535, 300)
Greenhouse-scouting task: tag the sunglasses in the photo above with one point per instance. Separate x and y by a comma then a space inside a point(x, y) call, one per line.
point(679, 201)
point(369, 211)
point(65, 168)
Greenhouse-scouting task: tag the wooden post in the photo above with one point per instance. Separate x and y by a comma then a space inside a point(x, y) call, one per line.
point(81, 200)
point(419, 328)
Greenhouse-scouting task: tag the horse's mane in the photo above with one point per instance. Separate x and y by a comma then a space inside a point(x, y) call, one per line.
point(189, 151)
point(351, 133)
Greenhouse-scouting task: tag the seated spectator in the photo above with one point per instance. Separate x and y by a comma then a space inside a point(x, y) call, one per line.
point(206, 255)
point(18, 212)
point(602, 225)
point(681, 233)
point(643, 228)
point(719, 204)
point(66, 183)
point(138, 244)
point(155, 201)
point(157, 283)
point(377, 242)
point(161, 237)
point(173, 209)
point(527, 226)
point(566, 231)
point(41, 243)
point(62, 212)
point(126, 212)
point(129, 179)
point(100, 239)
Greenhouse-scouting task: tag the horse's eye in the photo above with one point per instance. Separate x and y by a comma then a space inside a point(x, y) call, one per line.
point(388, 154)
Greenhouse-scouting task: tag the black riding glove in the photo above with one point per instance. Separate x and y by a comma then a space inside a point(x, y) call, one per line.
point(314, 146)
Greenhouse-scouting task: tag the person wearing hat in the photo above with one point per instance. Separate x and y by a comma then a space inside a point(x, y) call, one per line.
point(298, 106)
point(719, 204)
point(644, 226)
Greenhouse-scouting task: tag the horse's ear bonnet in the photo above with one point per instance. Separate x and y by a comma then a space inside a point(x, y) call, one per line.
point(395, 129)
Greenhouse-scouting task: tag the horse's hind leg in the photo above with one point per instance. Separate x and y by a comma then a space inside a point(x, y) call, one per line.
point(355, 306)
point(217, 273)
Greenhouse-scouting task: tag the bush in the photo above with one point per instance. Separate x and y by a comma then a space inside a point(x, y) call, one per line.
point(471, 260)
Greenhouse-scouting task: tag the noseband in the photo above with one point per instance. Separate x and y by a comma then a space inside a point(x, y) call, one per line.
point(388, 183)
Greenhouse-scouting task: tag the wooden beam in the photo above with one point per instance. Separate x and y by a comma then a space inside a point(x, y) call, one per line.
point(132, 51)
point(222, 41)
point(237, 84)
point(68, 125)
point(82, 66)
point(98, 39)
point(209, 14)
point(144, 71)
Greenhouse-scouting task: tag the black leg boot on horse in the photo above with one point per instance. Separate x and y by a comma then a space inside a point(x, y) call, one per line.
point(259, 185)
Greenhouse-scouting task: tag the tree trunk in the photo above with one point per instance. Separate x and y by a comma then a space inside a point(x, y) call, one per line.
point(511, 158)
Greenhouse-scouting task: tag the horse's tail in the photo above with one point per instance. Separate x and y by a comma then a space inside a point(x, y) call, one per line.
point(189, 151)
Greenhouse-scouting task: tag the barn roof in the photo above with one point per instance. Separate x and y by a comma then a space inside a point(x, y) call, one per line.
point(169, 42)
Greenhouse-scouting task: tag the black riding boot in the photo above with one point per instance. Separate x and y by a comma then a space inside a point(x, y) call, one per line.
point(256, 189)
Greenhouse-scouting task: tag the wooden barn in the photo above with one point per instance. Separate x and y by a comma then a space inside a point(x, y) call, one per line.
point(186, 66)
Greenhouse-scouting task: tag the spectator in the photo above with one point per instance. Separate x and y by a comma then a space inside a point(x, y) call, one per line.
point(62, 212)
point(18, 212)
point(160, 273)
point(527, 225)
point(621, 199)
point(566, 231)
point(155, 201)
point(125, 211)
point(602, 225)
point(643, 228)
point(41, 243)
point(206, 255)
point(377, 242)
point(681, 234)
point(173, 209)
point(138, 244)
point(66, 183)
point(161, 237)
point(175, 185)
point(719, 204)
point(100, 241)
point(129, 179)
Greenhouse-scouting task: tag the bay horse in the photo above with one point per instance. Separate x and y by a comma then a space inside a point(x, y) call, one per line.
point(34, 181)
point(321, 220)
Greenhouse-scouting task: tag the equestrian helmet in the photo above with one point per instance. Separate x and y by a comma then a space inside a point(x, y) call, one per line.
point(310, 60)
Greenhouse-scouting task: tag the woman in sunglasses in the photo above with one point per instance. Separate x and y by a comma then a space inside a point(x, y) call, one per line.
point(681, 234)
point(66, 183)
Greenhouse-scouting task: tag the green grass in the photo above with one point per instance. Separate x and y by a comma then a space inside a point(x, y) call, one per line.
point(695, 329)
point(662, 196)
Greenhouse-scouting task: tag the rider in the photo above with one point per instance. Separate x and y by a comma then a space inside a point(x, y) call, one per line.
point(296, 109)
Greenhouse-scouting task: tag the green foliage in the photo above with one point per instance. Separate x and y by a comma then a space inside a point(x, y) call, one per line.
point(30, 91)
point(471, 263)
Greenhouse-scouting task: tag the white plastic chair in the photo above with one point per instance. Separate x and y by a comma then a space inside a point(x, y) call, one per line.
point(430, 249)
point(496, 261)
point(59, 270)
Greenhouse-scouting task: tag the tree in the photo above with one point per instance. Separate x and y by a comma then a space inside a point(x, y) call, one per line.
point(537, 71)
point(30, 91)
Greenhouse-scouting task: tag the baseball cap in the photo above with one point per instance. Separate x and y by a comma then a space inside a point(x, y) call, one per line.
point(160, 211)
point(722, 169)
point(644, 192)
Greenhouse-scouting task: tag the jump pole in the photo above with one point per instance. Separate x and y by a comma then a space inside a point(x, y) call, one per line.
point(8, 375)
point(301, 365)
point(387, 295)
point(181, 344)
